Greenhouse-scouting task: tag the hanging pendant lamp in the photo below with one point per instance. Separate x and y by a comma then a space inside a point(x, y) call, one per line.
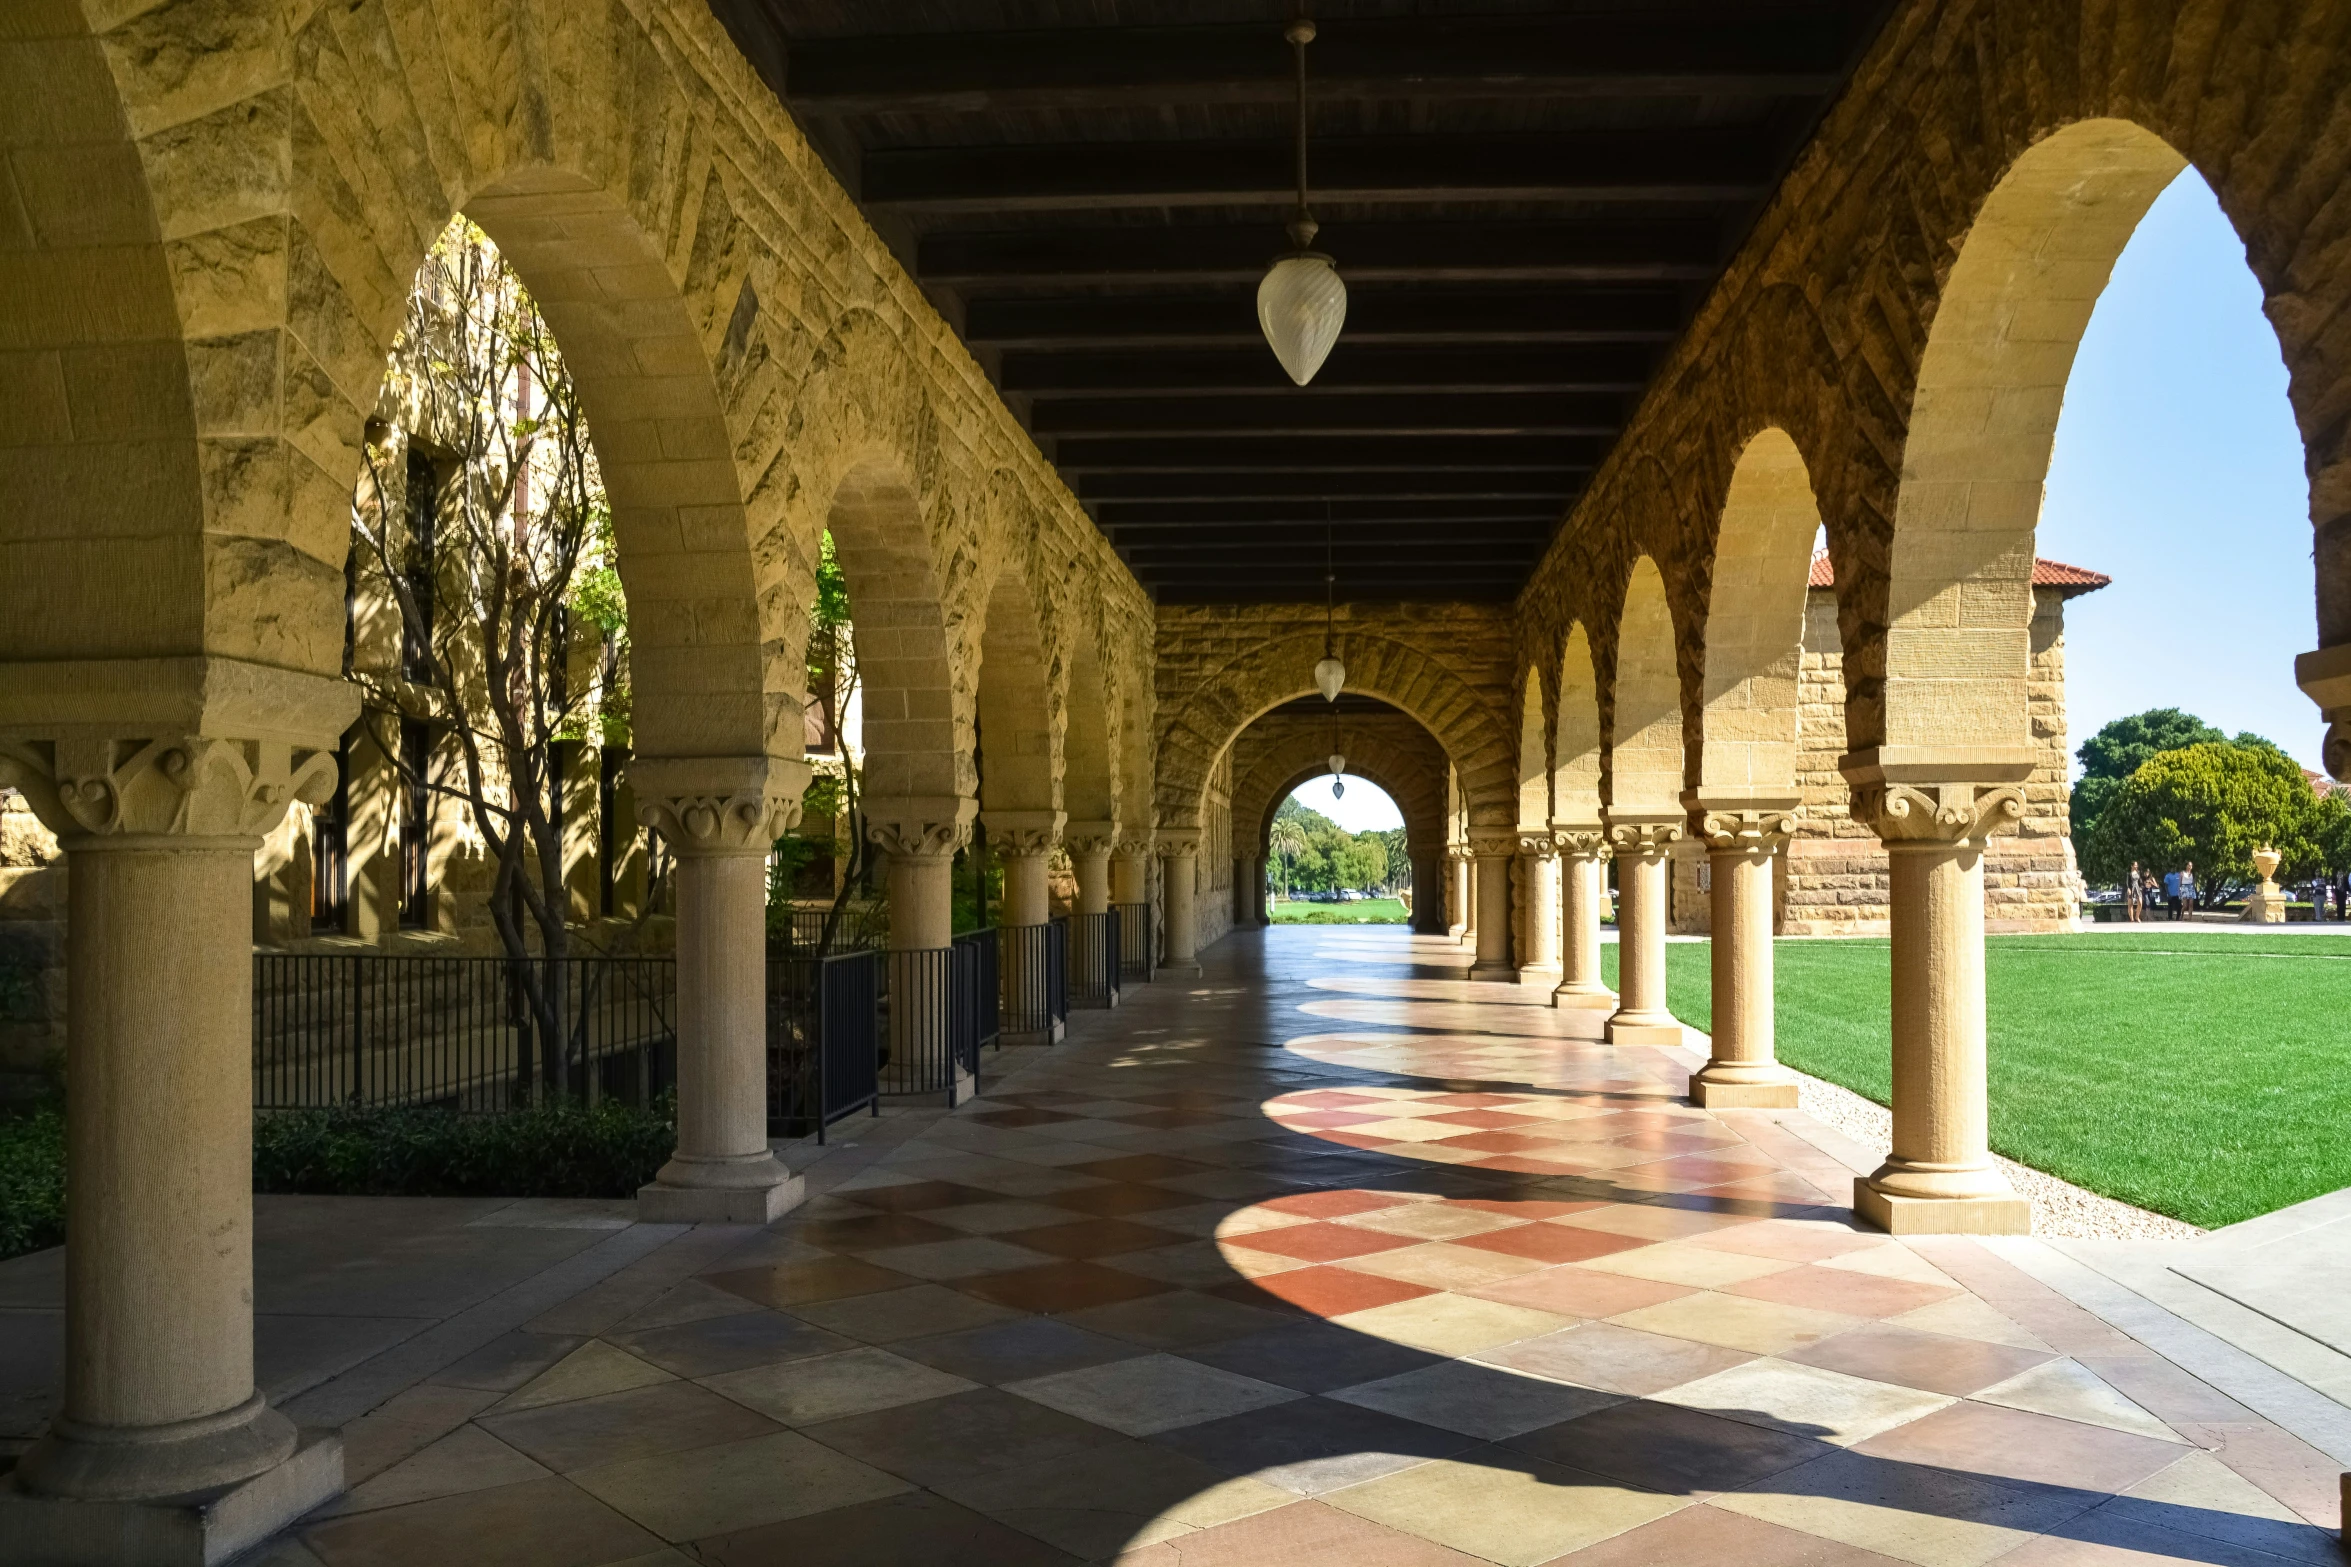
point(1338, 759)
point(1330, 676)
point(1301, 304)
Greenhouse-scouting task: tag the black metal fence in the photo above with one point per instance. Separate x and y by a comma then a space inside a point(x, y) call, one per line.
point(1138, 951)
point(800, 932)
point(476, 1034)
point(1094, 970)
point(930, 1031)
point(823, 1041)
point(1035, 962)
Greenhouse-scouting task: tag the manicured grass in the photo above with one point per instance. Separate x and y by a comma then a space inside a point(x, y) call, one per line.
point(2195, 1073)
point(1371, 911)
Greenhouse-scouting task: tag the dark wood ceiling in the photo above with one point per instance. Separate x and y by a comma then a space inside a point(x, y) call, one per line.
point(1527, 201)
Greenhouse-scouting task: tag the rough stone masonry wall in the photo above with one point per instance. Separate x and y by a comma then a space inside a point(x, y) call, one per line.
point(1834, 880)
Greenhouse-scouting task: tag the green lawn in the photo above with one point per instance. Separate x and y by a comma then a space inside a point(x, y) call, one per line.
point(1371, 911)
point(2199, 1074)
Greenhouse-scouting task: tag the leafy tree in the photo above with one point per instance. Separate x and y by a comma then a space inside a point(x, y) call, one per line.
point(2214, 803)
point(2118, 750)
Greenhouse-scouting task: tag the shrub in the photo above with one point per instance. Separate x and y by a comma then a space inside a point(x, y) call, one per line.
point(561, 1151)
point(32, 1179)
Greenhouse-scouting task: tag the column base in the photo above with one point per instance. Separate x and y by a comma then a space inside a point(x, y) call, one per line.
point(2004, 1215)
point(1598, 998)
point(1538, 971)
point(1179, 970)
point(198, 1530)
point(1709, 1095)
point(1494, 973)
point(1029, 1037)
point(1644, 1028)
point(669, 1198)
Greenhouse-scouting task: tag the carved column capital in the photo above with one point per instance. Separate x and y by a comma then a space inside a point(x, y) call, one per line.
point(1757, 833)
point(1178, 843)
point(1023, 833)
point(1951, 814)
point(1644, 837)
point(1132, 848)
point(1580, 840)
point(1493, 845)
point(189, 786)
point(718, 804)
point(920, 826)
point(1089, 837)
point(1535, 845)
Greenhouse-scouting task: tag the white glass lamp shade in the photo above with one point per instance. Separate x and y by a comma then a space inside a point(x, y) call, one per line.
point(1301, 305)
point(1330, 677)
point(1338, 764)
point(1338, 787)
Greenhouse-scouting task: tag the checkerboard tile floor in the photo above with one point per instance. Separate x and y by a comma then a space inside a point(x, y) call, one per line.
point(1219, 1282)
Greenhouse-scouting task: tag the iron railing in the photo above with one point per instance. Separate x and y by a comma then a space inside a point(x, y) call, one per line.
point(475, 1034)
point(1138, 953)
point(798, 932)
point(824, 1018)
point(931, 1028)
point(1094, 971)
point(979, 994)
point(1035, 977)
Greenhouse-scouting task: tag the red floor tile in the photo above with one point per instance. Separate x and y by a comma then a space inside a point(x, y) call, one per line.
point(1326, 1292)
point(1334, 1204)
point(1320, 1242)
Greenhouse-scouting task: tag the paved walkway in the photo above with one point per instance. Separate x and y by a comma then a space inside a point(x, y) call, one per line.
point(1316, 1260)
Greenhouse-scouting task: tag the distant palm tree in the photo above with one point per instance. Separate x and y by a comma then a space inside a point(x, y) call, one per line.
point(1286, 839)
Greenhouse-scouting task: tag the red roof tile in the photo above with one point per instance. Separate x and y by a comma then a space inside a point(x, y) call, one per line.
point(2046, 574)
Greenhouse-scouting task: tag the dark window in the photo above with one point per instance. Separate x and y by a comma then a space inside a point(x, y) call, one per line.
point(330, 851)
point(424, 501)
point(613, 834)
point(416, 818)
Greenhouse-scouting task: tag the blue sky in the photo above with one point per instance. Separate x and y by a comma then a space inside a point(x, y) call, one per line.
point(2178, 472)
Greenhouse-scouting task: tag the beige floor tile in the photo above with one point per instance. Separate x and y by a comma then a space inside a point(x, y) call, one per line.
point(1430, 1221)
point(970, 1257)
point(1509, 1509)
point(1894, 1261)
point(1806, 1400)
point(467, 1459)
point(1453, 1324)
point(1966, 1316)
point(1476, 1399)
point(1649, 1221)
point(1927, 1516)
point(2071, 1391)
point(1219, 1504)
point(1150, 1393)
point(1446, 1267)
point(916, 1312)
point(1694, 1265)
point(1766, 1327)
point(1248, 1221)
point(856, 1382)
point(592, 1369)
point(736, 1485)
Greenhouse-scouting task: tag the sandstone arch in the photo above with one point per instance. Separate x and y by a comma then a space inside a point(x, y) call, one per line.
point(1642, 763)
point(1018, 709)
point(1575, 779)
point(916, 761)
point(1534, 765)
point(1753, 646)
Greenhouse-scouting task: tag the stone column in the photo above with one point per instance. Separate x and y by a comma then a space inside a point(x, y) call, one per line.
point(1432, 878)
point(1088, 844)
point(1642, 843)
point(1464, 882)
point(1743, 1075)
point(918, 839)
point(1024, 842)
point(1180, 849)
point(1583, 862)
point(1258, 907)
point(1493, 853)
point(159, 835)
point(720, 816)
point(1538, 875)
point(1939, 1178)
point(1130, 891)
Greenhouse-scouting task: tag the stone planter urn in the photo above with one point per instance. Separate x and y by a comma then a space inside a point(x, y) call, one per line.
point(2267, 905)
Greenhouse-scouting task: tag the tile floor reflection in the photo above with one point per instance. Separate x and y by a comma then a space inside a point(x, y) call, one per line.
point(1325, 1258)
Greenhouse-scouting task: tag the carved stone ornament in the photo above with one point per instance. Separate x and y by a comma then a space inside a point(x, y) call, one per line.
point(748, 822)
point(1955, 814)
point(1179, 843)
point(1581, 843)
point(1537, 845)
point(181, 786)
point(1643, 840)
point(915, 840)
point(1132, 848)
point(2335, 751)
point(1024, 842)
point(1494, 846)
point(1757, 834)
point(1091, 844)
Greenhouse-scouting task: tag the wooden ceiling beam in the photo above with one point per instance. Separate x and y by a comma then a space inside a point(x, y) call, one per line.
point(1374, 315)
point(1116, 517)
point(1356, 413)
point(1222, 489)
point(1586, 367)
point(1748, 52)
point(1705, 165)
point(1284, 454)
